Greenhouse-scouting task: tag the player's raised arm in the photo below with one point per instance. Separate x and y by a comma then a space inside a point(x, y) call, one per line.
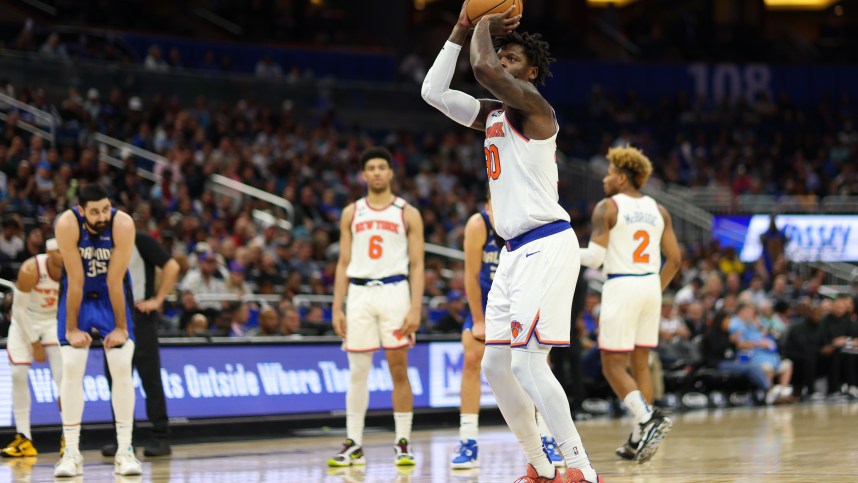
point(416, 276)
point(28, 277)
point(458, 106)
point(670, 249)
point(489, 71)
point(117, 268)
point(68, 235)
point(604, 217)
point(341, 280)
point(475, 240)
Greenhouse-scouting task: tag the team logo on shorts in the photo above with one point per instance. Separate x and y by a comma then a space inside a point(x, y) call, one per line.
point(516, 328)
point(398, 334)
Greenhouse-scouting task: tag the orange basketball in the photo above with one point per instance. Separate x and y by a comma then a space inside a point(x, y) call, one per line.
point(478, 8)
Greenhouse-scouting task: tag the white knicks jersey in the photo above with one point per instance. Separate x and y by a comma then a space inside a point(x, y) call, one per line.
point(523, 178)
point(44, 296)
point(634, 243)
point(379, 241)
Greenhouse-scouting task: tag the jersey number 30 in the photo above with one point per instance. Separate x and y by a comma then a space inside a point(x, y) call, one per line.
point(493, 165)
point(639, 255)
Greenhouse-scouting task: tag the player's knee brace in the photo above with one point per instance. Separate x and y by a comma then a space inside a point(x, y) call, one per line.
point(360, 363)
point(20, 374)
point(496, 365)
point(119, 360)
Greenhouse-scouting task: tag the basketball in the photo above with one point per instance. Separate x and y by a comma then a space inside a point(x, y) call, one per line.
point(478, 8)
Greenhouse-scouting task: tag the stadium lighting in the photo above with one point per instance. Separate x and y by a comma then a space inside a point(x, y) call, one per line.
point(799, 4)
point(605, 3)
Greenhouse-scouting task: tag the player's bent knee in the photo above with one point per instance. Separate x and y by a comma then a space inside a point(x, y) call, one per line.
point(20, 373)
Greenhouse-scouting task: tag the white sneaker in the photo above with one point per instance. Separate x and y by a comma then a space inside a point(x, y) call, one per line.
point(126, 464)
point(70, 465)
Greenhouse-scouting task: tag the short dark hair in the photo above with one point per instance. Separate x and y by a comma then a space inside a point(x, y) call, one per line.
point(91, 192)
point(536, 50)
point(373, 153)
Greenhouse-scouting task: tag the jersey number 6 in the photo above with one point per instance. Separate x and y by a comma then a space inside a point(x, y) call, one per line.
point(493, 166)
point(375, 250)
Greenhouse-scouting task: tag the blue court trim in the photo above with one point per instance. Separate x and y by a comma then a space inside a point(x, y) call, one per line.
point(535, 234)
point(619, 275)
point(385, 280)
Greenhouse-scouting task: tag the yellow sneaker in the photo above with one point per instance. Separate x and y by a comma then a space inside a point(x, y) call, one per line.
point(19, 447)
point(62, 446)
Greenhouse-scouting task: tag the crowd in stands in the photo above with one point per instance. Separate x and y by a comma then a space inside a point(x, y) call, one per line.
point(766, 145)
point(744, 319)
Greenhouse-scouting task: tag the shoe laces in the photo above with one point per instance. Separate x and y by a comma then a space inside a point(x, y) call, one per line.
point(402, 445)
point(348, 444)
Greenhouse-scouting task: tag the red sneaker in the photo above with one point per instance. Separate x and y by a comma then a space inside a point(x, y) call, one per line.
point(533, 477)
point(574, 475)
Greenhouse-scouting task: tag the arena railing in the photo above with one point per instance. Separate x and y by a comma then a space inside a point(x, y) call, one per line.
point(690, 223)
point(720, 200)
point(42, 118)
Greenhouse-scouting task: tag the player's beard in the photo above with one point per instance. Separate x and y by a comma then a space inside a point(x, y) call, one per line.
point(97, 228)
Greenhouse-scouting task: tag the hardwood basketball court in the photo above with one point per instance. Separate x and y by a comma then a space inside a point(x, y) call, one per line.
point(777, 444)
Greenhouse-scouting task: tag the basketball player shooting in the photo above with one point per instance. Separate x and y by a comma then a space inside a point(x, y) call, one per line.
point(630, 230)
point(530, 303)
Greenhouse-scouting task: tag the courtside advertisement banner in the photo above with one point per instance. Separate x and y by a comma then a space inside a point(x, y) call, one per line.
point(826, 238)
point(251, 380)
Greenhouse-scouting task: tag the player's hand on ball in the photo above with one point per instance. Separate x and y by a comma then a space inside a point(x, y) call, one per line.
point(39, 352)
point(411, 324)
point(115, 338)
point(78, 338)
point(464, 21)
point(502, 24)
point(339, 321)
point(479, 330)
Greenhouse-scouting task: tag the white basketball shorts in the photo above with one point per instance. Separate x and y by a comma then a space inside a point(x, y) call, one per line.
point(20, 349)
point(375, 314)
point(630, 313)
point(530, 302)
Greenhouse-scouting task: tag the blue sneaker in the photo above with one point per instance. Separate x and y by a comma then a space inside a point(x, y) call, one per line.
point(465, 457)
point(550, 448)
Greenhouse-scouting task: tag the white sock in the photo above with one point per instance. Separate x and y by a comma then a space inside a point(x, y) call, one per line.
point(638, 406)
point(543, 428)
point(636, 432)
point(21, 399)
point(71, 433)
point(71, 393)
point(468, 426)
point(123, 436)
point(533, 373)
point(122, 393)
point(357, 394)
point(402, 424)
point(516, 406)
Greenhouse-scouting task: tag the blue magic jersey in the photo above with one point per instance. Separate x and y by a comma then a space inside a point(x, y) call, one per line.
point(95, 252)
point(491, 256)
point(96, 311)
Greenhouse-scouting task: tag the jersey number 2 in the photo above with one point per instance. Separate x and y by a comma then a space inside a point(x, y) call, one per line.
point(493, 166)
point(639, 255)
point(375, 250)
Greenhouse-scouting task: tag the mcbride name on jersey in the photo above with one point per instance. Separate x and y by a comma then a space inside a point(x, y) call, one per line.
point(634, 243)
point(523, 178)
point(379, 241)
